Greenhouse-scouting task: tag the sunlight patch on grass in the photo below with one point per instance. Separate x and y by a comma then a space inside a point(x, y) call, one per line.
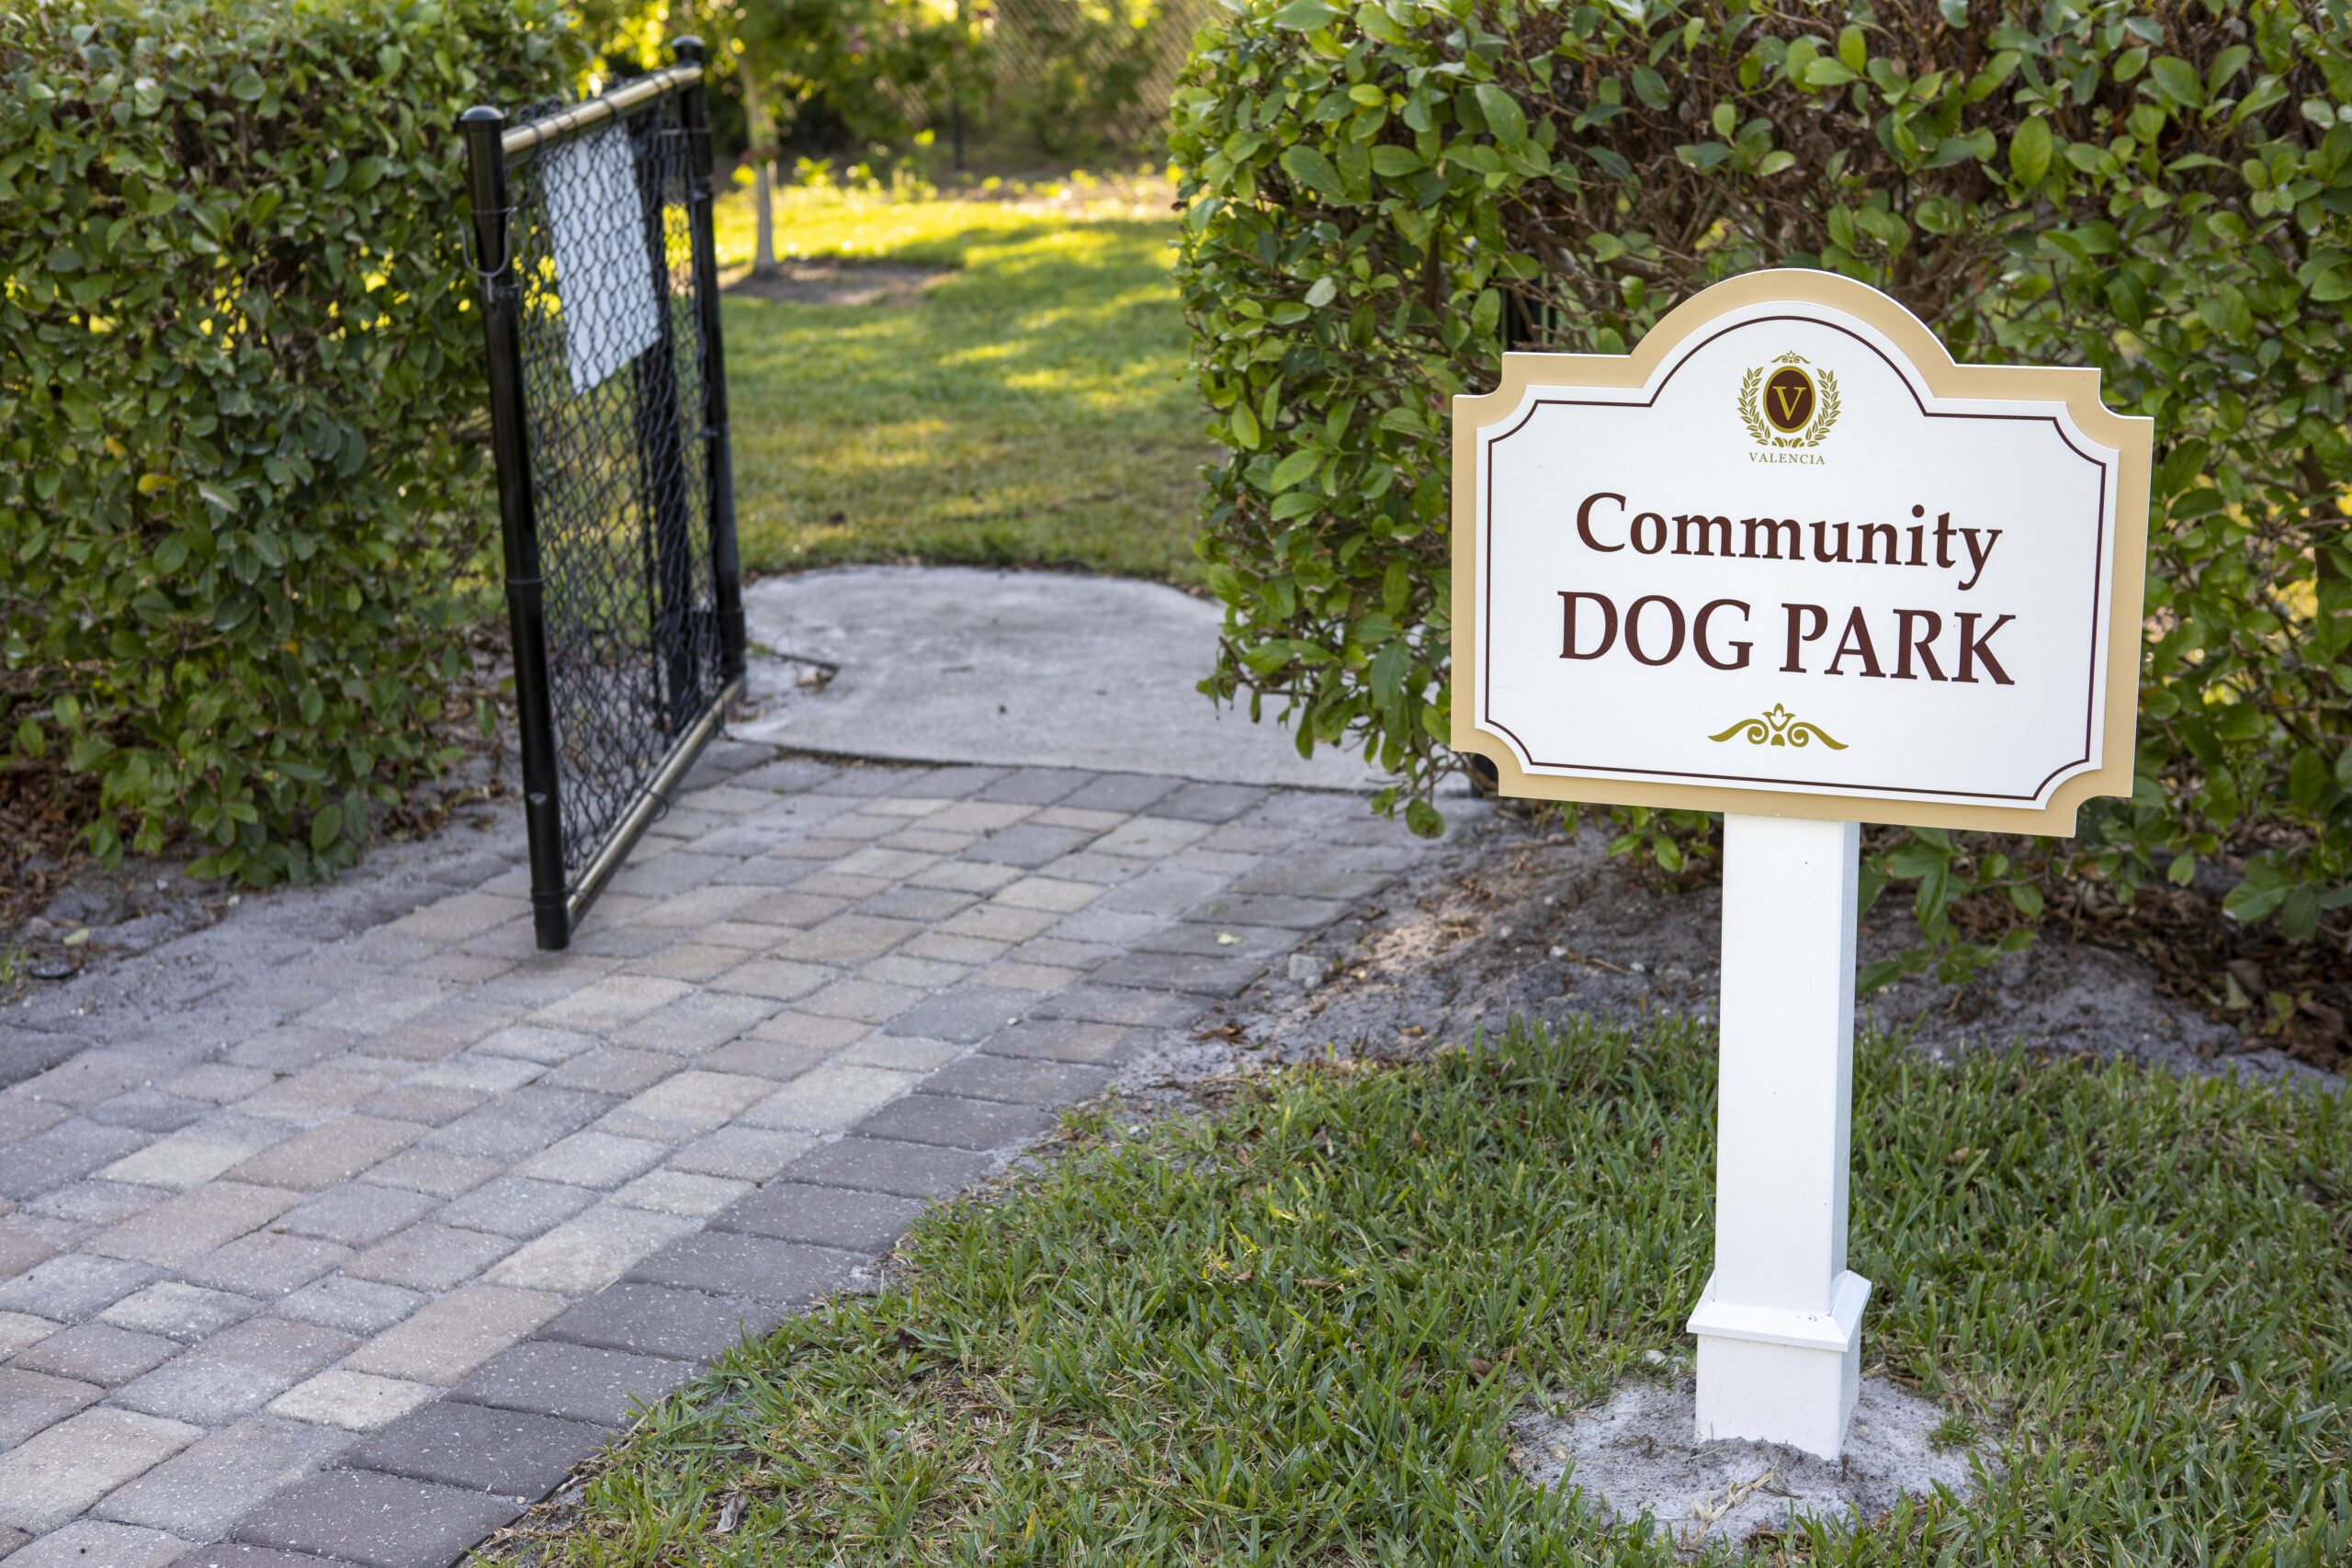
point(1040, 388)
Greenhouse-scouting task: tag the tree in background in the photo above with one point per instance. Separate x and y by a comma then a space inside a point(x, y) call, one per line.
point(829, 75)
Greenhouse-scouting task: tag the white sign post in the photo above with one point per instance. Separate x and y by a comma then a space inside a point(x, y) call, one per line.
point(1789, 561)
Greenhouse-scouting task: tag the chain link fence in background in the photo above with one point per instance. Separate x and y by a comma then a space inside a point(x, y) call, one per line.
point(608, 400)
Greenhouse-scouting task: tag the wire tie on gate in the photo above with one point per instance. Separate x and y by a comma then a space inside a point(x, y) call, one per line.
point(471, 233)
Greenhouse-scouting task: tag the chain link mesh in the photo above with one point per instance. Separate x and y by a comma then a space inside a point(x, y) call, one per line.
point(613, 366)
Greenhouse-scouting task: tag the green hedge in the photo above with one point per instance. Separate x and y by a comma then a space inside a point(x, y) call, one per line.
point(2163, 192)
point(239, 499)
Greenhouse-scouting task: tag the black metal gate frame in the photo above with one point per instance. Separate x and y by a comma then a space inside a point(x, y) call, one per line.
point(558, 899)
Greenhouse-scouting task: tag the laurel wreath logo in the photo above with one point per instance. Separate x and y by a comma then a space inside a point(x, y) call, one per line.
point(1826, 407)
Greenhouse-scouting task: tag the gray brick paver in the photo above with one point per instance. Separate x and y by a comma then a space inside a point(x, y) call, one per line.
point(1073, 1040)
point(517, 1206)
point(590, 1250)
point(479, 1449)
point(358, 1306)
point(31, 1400)
point(377, 1520)
point(355, 1401)
point(97, 1353)
point(265, 1264)
point(1022, 1081)
point(328, 1154)
point(829, 1098)
point(27, 1240)
point(1120, 1004)
point(358, 1212)
point(749, 1154)
point(822, 1216)
point(73, 1286)
point(57, 1474)
point(62, 1153)
point(779, 979)
point(180, 1311)
point(880, 1165)
point(539, 1043)
point(236, 1372)
point(372, 1274)
point(199, 1151)
point(953, 1121)
point(861, 1001)
point(438, 1171)
point(578, 1382)
point(692, 961)
point(736, 1264)
point(965, 1013)
point(664, 1320)
point(681, 1192)
point(428, 1255)
point(21, 1331)
point(613, 1070)
point(1200, 974)
point(770, 1059)
point(202, 1490)
point(86, 1541)
point(444, 1341)
point(149, 1110)
point(900, 1053)
point(238, 1555)
point(696, 1023)
point(594, 1157)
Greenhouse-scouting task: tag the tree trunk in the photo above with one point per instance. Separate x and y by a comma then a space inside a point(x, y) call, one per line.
point(758, 132)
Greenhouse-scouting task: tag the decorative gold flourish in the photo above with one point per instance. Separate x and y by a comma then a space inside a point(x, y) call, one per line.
point(1781, 727)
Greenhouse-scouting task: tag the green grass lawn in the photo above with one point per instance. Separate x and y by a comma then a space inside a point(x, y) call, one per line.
point(1033, 408)
point(1256, 1338)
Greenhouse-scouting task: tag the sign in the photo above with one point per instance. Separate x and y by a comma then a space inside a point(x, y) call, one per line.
point(1790, 562)
point(1787, 557)
point(603, 274)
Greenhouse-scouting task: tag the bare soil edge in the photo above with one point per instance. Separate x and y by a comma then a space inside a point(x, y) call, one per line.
point(1512, 922)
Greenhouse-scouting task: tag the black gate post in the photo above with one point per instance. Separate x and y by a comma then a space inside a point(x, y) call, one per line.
point(726, 568)
point(502, 299)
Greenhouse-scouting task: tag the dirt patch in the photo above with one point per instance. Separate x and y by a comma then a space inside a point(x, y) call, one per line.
point(798, 281)
point(1515, 922)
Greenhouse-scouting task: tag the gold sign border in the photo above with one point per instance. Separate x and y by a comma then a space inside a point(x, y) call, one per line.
point(2131, 438)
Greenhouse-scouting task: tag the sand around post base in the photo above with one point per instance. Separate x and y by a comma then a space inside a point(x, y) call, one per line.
point(1636, 1455)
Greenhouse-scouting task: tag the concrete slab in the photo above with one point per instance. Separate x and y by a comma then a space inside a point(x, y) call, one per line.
point(955, 664)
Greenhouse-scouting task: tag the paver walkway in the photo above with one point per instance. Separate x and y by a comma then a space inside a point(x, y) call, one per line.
point(390, 1235)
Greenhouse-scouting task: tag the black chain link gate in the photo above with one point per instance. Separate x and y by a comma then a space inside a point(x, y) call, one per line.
point(608, 407)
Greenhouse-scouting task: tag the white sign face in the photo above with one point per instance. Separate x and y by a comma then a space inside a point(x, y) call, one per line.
point(1787, 557)
point(603, 274)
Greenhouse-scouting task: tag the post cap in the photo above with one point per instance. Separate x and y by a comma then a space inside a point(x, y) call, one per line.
point(481, 114)
point(688, 50)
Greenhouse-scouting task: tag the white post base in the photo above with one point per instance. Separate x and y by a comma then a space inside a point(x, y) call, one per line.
point(1776, 1377)
point(1779, 1323)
